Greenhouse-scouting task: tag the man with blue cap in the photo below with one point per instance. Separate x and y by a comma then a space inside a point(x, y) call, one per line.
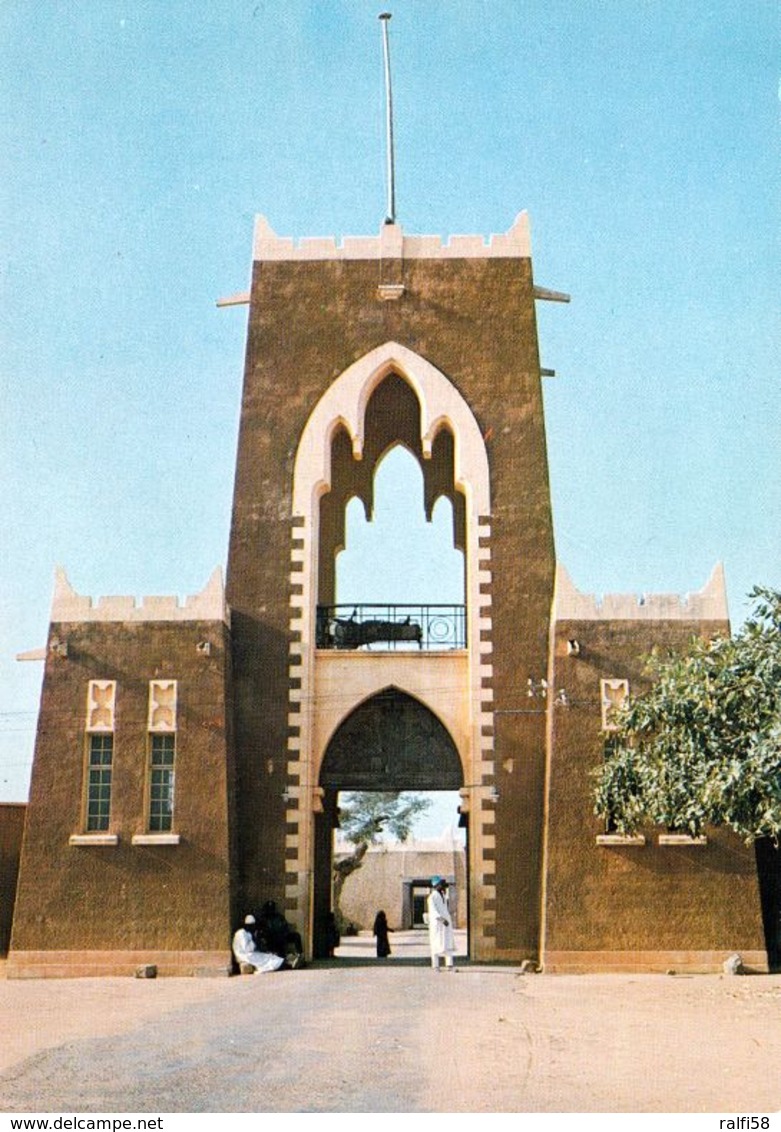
point(441, 937)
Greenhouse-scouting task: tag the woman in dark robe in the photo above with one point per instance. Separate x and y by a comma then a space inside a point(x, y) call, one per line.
point(380, 930)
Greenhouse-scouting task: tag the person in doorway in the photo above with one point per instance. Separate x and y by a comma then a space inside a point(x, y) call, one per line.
point(279, 936)
point(441, 937)
point(332, 936)
point(380, 930)
point(247, 954)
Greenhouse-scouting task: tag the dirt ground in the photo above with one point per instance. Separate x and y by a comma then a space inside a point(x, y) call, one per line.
point(360, 1035)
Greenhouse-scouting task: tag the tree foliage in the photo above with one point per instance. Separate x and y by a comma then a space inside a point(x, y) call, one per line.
point(364, 816)
point(703, 745)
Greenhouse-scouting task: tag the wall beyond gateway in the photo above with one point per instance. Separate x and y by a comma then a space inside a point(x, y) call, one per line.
point(392, 869)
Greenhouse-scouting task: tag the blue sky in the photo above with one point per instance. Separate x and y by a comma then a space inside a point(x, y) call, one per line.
point(138, 140)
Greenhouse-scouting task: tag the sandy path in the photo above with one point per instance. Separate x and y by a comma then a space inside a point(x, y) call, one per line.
point(393, 1038)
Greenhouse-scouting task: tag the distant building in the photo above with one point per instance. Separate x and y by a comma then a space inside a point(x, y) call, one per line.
point(189, 758)
point(395, 876)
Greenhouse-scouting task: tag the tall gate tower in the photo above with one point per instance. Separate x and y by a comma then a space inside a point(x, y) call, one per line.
point(354, 348)
point(189, 757)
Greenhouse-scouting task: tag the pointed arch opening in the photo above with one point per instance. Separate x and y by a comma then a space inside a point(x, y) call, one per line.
point(347, 401)
point(392, 742)
point(389, 402)
point(391, 540)
point(392, 529)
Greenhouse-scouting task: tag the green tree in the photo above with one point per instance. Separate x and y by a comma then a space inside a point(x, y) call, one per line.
point(364, 816)
point(703, 745)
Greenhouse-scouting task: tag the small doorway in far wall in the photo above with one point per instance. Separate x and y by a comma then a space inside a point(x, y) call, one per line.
point(414, 905)
point(419, 895)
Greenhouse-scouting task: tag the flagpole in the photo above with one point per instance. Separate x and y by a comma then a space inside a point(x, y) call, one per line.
point(390, 217)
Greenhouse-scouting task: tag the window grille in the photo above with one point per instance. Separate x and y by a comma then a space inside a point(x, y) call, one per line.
point(161, 782)
point(101, 756)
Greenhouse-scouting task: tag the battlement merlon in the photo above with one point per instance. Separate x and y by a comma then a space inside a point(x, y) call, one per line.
point(208, 605)
point(391, 244)
point(707, 604)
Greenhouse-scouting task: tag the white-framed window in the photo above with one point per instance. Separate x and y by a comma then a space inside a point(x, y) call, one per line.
point(101, 705)
point(100, 758)
point(162, 758)
point(161, 755)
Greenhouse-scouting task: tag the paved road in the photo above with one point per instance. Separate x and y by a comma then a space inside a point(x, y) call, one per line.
point(412, 945)
point(360, 1035)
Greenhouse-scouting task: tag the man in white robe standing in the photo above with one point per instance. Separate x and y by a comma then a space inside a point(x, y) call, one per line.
point(441, 937)
point(246, 951)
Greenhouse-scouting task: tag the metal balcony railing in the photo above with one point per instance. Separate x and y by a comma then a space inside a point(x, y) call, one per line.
point(391, 627)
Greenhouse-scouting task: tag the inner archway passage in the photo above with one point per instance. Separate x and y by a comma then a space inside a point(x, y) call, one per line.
point(391, 742)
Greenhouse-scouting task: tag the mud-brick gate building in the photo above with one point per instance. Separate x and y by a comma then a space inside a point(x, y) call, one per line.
point(189, 758)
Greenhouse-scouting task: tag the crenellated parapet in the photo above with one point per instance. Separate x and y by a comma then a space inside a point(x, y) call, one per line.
point(707, 604)
point(208, 605)
point(391, 243)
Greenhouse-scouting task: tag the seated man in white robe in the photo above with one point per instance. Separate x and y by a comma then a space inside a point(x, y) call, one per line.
point(246, 951)
point(441, 937)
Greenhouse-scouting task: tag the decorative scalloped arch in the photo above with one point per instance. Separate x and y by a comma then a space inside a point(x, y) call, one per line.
point(345, 401)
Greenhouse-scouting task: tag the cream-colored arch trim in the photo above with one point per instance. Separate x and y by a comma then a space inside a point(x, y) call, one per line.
point(345, 402)
point(317, 684)
point(345, 681)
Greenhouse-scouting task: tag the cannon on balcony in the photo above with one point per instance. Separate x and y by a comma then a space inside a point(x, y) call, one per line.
point(352, 634)
point(390, 626)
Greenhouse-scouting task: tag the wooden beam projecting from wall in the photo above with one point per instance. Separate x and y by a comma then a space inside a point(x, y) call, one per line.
point(551, 296)
point(240, 300)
